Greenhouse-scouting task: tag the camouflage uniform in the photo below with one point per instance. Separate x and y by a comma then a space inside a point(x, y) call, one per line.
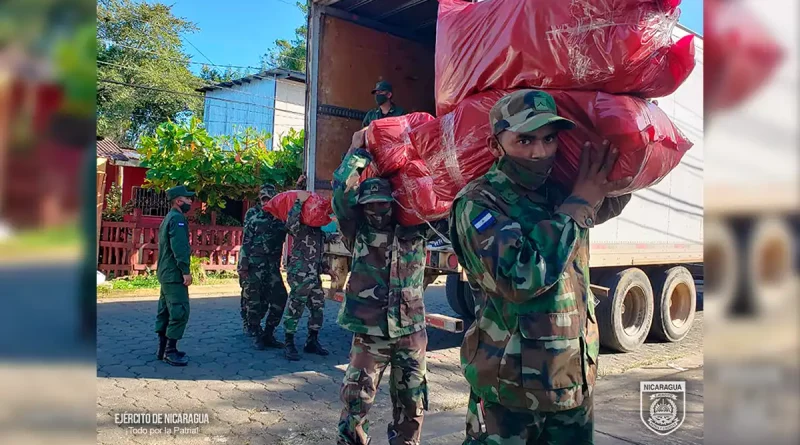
point(264, 290)
point(384, 309)
point(305, 266)
point(252, 211)
point(531, 355)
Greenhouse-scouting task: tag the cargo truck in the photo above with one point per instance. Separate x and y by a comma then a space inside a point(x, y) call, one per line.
point(644, 263)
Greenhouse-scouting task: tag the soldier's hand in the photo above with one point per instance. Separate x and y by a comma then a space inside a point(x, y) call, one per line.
point(242, 273)
point(187, 280)
point(596, 164)
point(359, 138)
point(301, 181)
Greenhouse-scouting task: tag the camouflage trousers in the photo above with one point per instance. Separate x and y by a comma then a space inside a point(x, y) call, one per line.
point(305, 291)
point(264, 294)
point(369, 357)
point(494, 424)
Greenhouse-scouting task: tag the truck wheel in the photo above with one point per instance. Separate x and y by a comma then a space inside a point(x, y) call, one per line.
point(625, 315)
point(770, 268)
point(675, 304)
point(721, 270)
point(459, 296)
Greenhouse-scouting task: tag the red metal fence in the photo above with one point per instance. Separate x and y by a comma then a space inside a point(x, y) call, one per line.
point(131, 248)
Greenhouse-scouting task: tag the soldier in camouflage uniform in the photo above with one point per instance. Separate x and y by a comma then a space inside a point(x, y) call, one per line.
point(252, 211)
point(383, 306)
point(305, 266)
point(531, 355)
point(259, 270)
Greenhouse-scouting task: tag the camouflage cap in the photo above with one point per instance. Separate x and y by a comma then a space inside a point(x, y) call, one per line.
point(375, 190)
point(267, 190)
point(382, 86)
point(526, 110)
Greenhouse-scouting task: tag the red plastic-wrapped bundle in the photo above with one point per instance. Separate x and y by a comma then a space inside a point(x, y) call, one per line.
point(454, 146)
point(387, 141)
point(740, 54)
point(617, 46)
point(650, 145)
point(316, 210)
point(415, 201)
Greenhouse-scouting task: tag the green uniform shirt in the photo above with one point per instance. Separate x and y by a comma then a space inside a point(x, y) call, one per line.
point(535, 342)
point(173, 248)
point(375, 114)
point(384, 293)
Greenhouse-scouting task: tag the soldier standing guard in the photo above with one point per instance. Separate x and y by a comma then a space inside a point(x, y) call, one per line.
point(383, 306)
point(531, 356)
point(305, 266)
point(259, 270)
point(174, 276)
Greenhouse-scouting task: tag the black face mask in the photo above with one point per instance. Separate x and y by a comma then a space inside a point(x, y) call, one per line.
point(381, 99)
point(185, 207)
point(529, 174)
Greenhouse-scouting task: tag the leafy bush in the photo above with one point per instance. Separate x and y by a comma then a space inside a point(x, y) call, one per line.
point(196, 269)
point(114, 210)
point(232, 167)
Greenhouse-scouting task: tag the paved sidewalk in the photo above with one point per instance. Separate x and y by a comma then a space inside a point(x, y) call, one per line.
point(257, 397)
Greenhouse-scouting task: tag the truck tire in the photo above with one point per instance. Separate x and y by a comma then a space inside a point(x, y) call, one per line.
point(459, 296)
point(771, 272)
point(625, 315)
point(675, 304)
point(721, 270)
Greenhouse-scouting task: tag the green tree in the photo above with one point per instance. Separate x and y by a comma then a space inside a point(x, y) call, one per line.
point(213, 75)
point(139, 43)
point(290, 55)
point(232, 167)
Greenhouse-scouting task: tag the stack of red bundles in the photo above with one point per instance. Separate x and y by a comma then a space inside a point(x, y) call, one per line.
point(740, 54)
point(395, 158)
point(455, 148)
point(616, 46)
point(316, 211)
point(583, 52)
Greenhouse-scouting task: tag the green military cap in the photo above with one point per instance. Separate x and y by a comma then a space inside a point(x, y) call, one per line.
point(375, 190)
point(267, 190)
point(178, 191)
point(382, 86)
point(524, 111)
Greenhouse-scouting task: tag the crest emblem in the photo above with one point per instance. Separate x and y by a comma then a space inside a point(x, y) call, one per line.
point(662, 406)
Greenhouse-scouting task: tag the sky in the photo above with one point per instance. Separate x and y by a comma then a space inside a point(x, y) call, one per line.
point(238, 32)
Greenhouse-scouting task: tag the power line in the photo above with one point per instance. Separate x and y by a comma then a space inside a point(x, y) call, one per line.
point(164, 90)
point(198, 49)
point(180, 60)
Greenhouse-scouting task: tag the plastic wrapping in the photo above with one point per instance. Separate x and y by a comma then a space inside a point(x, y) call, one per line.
point(415, 201)
point(316, 211)
point(650, 145)
point(454, 147)
point(739, 53)
point(388, 143)
point(616, 46)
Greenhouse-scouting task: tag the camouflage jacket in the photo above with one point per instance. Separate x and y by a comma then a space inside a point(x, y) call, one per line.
point(308, 246)
point(384, 293)
point(535, 343)
point(263, 239)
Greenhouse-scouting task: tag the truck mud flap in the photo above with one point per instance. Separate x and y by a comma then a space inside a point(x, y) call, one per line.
point(442, 322)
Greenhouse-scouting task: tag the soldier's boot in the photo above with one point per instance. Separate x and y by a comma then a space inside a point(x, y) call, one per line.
point(162, 346)
point(290, 351)
point(267, 340)
point(313, 345)
point(173, 356)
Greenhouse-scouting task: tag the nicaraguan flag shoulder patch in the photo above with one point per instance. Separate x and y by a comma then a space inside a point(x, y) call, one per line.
point(483, 221)
point(181, 224)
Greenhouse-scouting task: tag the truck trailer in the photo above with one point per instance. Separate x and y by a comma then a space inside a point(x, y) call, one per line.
point(646, 264)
